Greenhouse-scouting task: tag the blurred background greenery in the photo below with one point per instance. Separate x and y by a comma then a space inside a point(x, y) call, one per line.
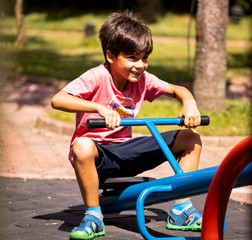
point(57, 47)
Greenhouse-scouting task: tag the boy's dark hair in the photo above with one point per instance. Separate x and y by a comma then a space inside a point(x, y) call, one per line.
point(123, 32)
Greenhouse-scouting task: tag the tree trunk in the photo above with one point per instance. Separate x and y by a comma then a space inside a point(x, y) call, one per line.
point(210, 64)
point(21, 36)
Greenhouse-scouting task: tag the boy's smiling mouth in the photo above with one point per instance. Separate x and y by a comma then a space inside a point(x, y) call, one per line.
point(136, 73)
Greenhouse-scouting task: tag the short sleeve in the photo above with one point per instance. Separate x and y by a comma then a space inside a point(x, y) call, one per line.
point(83, 86)
point(155, 87)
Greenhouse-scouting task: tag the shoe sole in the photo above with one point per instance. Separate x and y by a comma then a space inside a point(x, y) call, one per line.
point(184, 228)
point(79, 237)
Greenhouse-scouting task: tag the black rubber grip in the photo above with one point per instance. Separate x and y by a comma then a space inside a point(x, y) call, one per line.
point(205, 120)
point(96, 123)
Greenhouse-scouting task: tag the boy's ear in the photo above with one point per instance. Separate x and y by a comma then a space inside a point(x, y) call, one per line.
point(110, 56)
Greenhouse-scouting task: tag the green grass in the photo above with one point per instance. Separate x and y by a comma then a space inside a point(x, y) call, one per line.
point(239, 60)
point(234, 121)
point(66, 58)
point(50, 56)
point(43, 22)
point(170, 24)
point(168, 61)
point(176, 25)
point(62, 116)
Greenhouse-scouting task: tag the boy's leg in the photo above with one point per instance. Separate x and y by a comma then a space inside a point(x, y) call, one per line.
point(85, 161)
point(188, 143)
point(184, 216)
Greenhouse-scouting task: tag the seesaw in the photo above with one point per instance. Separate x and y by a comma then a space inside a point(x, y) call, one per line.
point(131, 193)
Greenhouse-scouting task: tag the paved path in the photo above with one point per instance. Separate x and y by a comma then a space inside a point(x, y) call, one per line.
point(34, 203)
point(48, 209)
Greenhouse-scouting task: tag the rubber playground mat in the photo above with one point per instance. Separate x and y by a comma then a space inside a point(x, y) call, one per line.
point(49, 209)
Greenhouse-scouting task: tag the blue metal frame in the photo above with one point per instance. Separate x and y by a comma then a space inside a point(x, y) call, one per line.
point(151, 124)
point(140, 213)
point(180, 185)
point(184, 185)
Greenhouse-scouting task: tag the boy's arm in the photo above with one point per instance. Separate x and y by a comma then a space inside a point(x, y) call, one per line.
point(66, 102)
point(189, 111)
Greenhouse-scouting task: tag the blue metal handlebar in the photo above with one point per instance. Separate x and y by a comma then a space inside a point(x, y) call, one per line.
point(100, 122)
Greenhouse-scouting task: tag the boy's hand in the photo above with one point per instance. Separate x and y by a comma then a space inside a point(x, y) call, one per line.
point(112, 118)
point(191, 114)
point(189, 111)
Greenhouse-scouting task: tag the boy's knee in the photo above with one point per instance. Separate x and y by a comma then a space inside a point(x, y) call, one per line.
point(187, 140)
point(84, 149)
point(193, 139)
point(193, 136)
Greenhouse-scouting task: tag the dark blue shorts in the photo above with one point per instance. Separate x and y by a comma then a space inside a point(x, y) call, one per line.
point(132, 157)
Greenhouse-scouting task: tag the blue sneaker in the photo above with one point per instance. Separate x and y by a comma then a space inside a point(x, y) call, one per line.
point(91, 226)
point(188, 219)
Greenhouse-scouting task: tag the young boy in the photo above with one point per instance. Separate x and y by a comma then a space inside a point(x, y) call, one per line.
point(117, 89)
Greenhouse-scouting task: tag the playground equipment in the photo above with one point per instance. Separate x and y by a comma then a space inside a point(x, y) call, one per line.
point(221, 187)
point(126, 194)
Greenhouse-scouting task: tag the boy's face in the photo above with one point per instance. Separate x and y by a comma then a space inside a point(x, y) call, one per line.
point(127, 67)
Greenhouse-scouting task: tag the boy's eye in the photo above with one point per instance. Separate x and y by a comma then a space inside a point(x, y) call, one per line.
point(136, 58)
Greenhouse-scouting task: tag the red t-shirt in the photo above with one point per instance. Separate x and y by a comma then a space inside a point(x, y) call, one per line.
point(97, 85)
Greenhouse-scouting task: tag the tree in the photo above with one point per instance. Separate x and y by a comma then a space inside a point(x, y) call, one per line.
point(210, 63)
point(21, 36)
